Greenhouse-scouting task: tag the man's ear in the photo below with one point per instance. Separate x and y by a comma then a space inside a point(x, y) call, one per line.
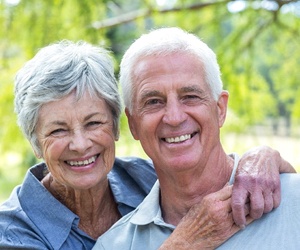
point(222, 107)
point(131, 124)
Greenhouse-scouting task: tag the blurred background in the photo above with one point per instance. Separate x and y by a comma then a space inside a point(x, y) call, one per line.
point(257, 44)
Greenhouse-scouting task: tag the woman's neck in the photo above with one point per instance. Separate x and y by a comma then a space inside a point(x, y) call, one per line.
point(96, 207)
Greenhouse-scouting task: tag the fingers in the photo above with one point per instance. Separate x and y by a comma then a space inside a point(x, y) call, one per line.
point(209, 223)
point(258, 179)
point(257, 204)
point(276, 197)
point(249, 220)
point(223, 194)
point(271, 200)
point(268, 202)
point(243, 203)
point(234, 228)
point(238, 200)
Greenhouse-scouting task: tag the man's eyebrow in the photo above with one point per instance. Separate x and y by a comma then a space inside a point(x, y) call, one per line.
point(146, 94)
point(192, 88)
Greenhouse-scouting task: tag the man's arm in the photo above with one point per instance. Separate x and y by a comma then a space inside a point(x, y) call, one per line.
point(257, 183)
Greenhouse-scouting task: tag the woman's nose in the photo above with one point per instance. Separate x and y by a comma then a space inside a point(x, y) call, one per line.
point(80, 142)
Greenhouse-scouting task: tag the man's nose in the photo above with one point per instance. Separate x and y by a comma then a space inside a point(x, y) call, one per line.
point(174, 113)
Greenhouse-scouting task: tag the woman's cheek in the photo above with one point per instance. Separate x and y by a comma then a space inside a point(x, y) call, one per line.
point(53, 148)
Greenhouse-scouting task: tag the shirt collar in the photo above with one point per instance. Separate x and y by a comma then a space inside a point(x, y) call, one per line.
point(36, 200)
point(149, 211)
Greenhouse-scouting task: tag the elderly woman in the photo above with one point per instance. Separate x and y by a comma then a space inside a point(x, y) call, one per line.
point(68, 107)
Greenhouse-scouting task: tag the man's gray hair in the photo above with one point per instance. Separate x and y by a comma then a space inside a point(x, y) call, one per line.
point(166, 41)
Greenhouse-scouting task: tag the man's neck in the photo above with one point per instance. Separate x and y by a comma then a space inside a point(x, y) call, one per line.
point(178, 193)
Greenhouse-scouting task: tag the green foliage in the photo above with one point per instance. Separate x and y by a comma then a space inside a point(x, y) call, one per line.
point(258, 50)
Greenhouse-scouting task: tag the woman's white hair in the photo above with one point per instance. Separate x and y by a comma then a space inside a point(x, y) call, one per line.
point(54, 72)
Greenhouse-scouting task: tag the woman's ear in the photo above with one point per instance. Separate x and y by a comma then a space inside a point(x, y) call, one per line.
point(37, 155)
point(37, 152)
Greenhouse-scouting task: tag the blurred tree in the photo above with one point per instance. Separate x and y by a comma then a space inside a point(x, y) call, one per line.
point(257, 43)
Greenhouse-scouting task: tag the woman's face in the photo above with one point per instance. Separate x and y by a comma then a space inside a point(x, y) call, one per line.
point(77, 140)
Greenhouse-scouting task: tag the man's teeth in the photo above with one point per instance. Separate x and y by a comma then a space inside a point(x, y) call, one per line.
point(82, 163)
point(178, 138)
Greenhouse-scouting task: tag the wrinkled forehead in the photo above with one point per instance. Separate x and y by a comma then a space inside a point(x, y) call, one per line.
point(156, 67)
point(178, 73)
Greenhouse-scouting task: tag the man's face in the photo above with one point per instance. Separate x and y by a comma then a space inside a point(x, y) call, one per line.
point(174, 114)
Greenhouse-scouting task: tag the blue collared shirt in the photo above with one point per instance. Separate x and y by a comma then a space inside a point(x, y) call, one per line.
point(277, 230)
point(33, 219)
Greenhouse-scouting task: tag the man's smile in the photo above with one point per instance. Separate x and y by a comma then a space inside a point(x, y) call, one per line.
point(180, 138)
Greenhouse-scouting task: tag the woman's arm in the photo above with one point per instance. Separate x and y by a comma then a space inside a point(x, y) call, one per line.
point(257, 182)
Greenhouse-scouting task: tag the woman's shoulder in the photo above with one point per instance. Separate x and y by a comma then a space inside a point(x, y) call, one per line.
point(131, 179)
point(15, 226)
point(141, 171)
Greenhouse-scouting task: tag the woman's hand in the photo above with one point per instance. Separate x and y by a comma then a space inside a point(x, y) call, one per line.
point(257, 183)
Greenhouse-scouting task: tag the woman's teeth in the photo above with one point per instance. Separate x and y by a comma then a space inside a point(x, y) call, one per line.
point(82, 163)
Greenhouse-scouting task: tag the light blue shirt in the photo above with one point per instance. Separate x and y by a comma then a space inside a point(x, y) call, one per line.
point(277, 230)
point(144, 228)
point(33, 219)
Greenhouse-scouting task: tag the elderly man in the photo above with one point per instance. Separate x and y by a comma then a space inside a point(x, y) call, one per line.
point(175, 106)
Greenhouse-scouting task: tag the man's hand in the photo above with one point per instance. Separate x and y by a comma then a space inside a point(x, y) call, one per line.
point(207, 225)
point(257, 183)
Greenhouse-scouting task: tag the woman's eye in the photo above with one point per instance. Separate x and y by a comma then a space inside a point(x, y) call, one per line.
point(94, 123)
point(57, 131)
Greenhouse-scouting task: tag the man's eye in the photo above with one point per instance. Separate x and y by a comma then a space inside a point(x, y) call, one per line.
point(153, 102)
point(191, 97)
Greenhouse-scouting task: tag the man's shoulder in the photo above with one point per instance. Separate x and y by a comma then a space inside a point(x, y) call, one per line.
point(277, 229)
point(290, 186)
point(290, 179)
